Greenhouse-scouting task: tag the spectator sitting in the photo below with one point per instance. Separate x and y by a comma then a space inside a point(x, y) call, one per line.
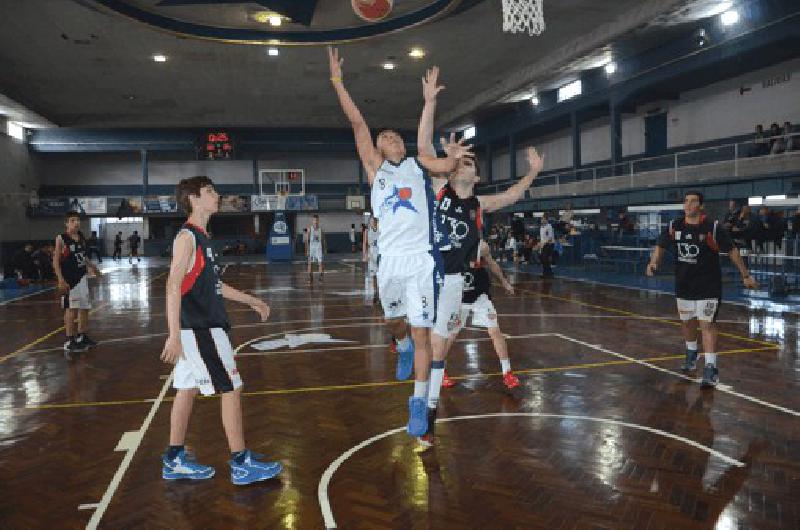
point(760, 145)
point(776, 142)
point(777, 229)
point(731, 216)
point(742, 231)
point(795, 228)
point(792, 143)
point(23, 264)
point(511, 248)
point(43, 260)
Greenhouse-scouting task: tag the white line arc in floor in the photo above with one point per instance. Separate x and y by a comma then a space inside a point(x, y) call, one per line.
point(324, 482)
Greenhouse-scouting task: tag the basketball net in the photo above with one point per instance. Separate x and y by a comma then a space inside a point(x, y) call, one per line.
point(523, 15)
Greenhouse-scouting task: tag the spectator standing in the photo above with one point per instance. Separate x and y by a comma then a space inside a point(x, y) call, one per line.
point(547, 242)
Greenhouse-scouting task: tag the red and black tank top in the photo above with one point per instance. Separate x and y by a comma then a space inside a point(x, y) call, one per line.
point(202, 306)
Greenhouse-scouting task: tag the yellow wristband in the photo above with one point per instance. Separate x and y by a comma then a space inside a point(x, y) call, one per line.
point(336, 78)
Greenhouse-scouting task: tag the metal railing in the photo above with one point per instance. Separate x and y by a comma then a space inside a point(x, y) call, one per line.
point(745, 158)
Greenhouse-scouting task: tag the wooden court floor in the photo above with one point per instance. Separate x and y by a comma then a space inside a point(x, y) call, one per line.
point(605, 432)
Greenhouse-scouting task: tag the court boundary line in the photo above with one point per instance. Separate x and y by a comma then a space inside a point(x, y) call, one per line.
point(108, 495)
point(327, 475)
point(720, 387)
point(12, 300)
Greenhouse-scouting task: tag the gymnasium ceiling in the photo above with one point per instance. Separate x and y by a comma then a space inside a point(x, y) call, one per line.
point(78, 63)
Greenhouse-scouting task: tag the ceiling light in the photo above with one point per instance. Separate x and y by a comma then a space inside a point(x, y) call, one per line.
point(469, 133)
point(275, 20)
point(535, 100)
point(160, 58)
point(388, 65)
point(755, 201)
point(416, 53)
point(610, 67)
point(729, 18)
point(273, 52)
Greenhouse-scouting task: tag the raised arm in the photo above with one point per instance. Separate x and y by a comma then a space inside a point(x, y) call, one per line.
point(454, 150)
point(491, 203)
point(430, 89)
point(369, 155)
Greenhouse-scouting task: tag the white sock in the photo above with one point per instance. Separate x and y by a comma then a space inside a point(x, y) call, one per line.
point(691, 345)
point(505, 364)
point(437, 375)
point(420, 389)
point(404, 343)
point(711, 358)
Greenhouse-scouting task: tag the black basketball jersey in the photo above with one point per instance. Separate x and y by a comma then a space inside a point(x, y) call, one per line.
point(202, 306)
point(461, 221)
point(698, 275)
point(73, 259)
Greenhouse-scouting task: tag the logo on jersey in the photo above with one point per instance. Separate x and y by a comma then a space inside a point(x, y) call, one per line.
point(400, 198)
point(688, 252)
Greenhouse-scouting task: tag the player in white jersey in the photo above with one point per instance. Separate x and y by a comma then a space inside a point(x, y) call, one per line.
point(315, 247)
point(402, 200)
point(460, 213)
point(370, 255)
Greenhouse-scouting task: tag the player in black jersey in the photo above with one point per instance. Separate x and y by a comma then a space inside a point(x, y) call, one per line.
point(199, 345)
point(71, 265)
point(696, 242)
point(460, 214)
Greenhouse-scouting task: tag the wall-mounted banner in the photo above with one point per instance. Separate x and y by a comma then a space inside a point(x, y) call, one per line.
point(125, 206)
point(294, 203)
point(234, 203)
point(160, 204)
point(88, 205)
point(52, 206)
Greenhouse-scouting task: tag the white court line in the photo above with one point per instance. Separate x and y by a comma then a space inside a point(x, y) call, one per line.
point(126, 462)
point(719, 388)
point(47, 289)
point(322, 489)
point(372, 346)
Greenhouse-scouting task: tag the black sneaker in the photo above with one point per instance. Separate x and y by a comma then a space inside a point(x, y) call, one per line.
point(72, 347)
point(690, 361)
point(710, 376)
point(84, 340)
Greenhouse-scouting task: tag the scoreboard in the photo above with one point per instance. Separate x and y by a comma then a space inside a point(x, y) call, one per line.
point(216, 145)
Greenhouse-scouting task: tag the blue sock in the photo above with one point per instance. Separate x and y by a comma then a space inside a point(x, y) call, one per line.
point(239, 456)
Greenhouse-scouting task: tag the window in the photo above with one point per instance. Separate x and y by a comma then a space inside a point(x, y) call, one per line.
point(15, 130)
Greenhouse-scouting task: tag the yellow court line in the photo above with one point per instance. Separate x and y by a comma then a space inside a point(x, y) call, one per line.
point(58, 330)
point(647, 317)
point(377, 384)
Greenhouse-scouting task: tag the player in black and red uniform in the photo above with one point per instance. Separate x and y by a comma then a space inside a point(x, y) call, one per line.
point(198, 342)
point(696, 242)
point(71, 265)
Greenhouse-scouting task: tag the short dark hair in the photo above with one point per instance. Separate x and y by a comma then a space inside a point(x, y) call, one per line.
point(696, 193)
point(69, 215)
point(387, 129)
point(315, 216)
point(189, 187)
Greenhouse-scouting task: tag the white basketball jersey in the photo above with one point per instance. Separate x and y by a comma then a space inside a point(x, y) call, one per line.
point(403, 205)
point(315, 237)
point(372, 241)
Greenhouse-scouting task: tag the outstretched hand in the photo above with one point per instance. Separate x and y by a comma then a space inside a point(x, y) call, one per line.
point(651, 269)
point(535, 161)
point(456, 149)
point(430, 86)
point(750, 282)
point(335, 62)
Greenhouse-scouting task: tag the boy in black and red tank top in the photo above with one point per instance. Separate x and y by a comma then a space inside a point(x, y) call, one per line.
point(71, 265)
point(696, 243)
point(199, 345)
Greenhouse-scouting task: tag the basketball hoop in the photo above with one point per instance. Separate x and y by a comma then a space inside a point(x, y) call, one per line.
point(523, 15)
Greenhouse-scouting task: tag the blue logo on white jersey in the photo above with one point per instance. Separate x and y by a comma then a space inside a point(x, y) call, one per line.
point(400, 197)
